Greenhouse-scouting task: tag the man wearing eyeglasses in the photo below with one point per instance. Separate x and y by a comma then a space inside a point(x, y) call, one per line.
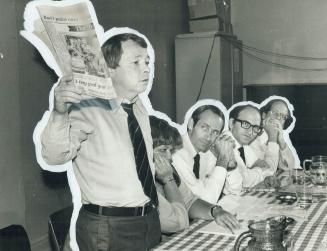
point(244, 126)
point(199, 168)
point(276, 117)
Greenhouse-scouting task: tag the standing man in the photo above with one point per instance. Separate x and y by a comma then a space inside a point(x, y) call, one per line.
point(203, 171)
point(111, 150)
point(276, 118)
point(244, 126)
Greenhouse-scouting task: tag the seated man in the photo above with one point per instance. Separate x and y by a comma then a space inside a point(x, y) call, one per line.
point(203, 173)
point(276, 117)
point(175, 199)
point(244, 126)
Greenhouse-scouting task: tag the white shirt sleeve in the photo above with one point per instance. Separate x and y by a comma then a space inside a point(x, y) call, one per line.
point(267, 151)
point(208, 188)
point(251, 176)
point(234, 182)
point(272, 157)
point(286, 160)
point(173, 215)
point(62, 139)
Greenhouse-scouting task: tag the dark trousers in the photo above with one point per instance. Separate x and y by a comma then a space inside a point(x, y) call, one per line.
point(110, 233)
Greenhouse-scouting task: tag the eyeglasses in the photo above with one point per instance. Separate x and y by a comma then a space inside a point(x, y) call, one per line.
point(246, 125)
point(207, 129)
point(278, 115)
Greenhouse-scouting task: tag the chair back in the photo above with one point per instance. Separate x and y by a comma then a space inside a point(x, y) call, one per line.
point(59, 223)
point(14, 238)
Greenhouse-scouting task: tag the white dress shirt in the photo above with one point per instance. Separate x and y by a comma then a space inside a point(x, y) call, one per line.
point(284, 159)
point(245, 175)
point(174, 215)
point(97, 140)
point(211, 177)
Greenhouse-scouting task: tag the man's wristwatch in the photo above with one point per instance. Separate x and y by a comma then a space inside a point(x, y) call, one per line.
point(212, 210)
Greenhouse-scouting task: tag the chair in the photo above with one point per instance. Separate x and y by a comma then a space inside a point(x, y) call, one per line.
point(14, 238)
point(59, 223)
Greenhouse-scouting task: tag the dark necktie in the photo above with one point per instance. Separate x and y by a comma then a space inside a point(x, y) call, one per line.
point(196, 165)
point(241, 150)
point(141, 158)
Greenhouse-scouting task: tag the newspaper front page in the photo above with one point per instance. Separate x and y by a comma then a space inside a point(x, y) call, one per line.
point(69, 33)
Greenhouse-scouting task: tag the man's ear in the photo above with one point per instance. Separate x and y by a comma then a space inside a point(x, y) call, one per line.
point(263, 115)
point(231, 123)
point(190, 124)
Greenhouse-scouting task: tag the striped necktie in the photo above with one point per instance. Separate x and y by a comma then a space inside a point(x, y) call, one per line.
point(141, 158)
point(196, 165)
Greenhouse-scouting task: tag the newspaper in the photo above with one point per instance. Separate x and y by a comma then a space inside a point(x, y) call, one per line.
point(69, 33)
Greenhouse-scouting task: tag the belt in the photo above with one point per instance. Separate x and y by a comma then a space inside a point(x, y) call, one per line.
point(119, 211)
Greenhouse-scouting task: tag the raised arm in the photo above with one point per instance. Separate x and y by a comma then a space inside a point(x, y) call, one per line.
point(172, 212)
point(278, 152)
point(60, 140)
point(164, 174)
point(288, 159)
point(209, 188)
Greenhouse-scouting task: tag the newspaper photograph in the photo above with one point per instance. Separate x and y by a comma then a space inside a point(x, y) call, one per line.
point(70, 35)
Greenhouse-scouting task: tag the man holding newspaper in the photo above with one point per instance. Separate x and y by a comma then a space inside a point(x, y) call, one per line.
point(111, 150)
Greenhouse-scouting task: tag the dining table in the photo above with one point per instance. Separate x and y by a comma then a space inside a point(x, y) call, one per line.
point(308, 232)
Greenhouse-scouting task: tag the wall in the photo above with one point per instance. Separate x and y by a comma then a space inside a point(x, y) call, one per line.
point(294, 27)
point(43, 197)
point(12, 204)
point(309, 136)
point(29, 194)
point(160, 21)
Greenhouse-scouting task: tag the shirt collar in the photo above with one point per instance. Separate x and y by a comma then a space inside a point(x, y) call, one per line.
point(188, 146)
point(237, 145)
point(137, 101)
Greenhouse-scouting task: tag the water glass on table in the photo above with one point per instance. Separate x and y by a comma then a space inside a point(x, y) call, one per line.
point(288, 241)
point(303, 189)
point(316, 168)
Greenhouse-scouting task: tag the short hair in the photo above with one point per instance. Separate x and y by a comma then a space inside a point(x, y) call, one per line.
point(112, 49)
point(164, 134)
point(198, 111)
point(233, 113)
point(267, 107)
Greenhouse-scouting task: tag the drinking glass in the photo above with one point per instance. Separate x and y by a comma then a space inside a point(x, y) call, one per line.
point(303, 191)
point(316, 168)
point(288, 241)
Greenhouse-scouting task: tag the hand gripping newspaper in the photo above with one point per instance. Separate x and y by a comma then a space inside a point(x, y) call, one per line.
point(67, 30)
